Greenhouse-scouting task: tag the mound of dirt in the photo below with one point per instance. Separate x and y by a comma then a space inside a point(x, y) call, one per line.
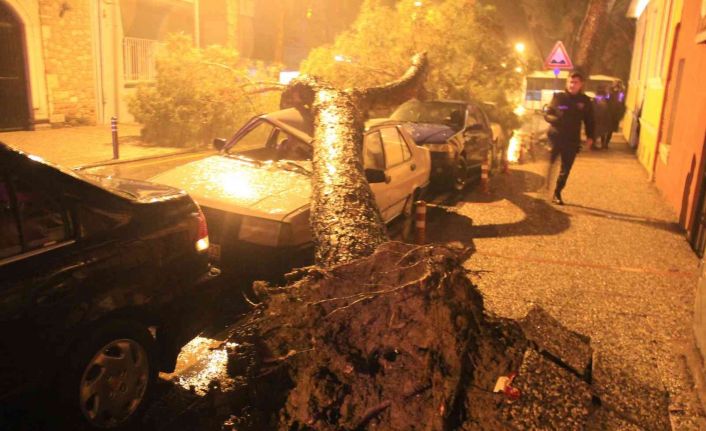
point(400, 341)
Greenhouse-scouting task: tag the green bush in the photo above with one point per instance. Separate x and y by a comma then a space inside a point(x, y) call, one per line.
point(469, 54)
point(199, 94)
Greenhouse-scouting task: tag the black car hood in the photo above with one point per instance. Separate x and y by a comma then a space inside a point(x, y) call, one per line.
point(427, 133)
point(135, 190)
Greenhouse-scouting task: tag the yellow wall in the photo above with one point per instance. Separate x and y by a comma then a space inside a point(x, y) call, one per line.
point(654, 42)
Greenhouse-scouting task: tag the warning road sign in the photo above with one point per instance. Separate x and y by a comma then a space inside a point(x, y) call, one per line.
point(558, 59)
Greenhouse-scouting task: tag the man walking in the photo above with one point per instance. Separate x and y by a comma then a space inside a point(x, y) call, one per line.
point(565, 114)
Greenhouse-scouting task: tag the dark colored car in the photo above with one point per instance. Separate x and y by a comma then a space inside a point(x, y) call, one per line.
point(457, 133)
point(91, 273)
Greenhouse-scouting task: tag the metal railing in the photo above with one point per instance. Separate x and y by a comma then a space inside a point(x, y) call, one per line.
point(139, 59)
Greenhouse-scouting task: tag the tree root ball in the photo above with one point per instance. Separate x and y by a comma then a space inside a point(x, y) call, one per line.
point(397, 341)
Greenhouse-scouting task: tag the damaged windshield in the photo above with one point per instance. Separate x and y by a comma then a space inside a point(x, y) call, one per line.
point(263, 141)
point(415, 111)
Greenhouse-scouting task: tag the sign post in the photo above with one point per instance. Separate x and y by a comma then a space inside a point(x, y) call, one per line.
point(558, 60)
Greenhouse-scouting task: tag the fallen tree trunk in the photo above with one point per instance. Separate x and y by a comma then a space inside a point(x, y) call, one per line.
point(345, 220)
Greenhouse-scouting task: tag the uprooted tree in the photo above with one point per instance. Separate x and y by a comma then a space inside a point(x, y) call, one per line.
point(386, 335)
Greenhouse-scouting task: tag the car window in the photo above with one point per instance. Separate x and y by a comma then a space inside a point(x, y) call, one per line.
point(260, 136)
point(373, 157)
point(42, 220)
point(396, 149)
point(289, 147)
point(473, 116)
point(434, 112)
point(263, 141)
point(10, 244)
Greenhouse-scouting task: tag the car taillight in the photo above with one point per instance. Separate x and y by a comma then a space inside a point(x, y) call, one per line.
point(202, 242)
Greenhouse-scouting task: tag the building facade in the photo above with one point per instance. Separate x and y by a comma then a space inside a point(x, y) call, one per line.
point(667, 100)
point(657, 21)
point(78, 61)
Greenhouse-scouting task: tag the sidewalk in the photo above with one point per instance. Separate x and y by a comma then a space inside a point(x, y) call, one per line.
point(611, 264)
point(75, 146)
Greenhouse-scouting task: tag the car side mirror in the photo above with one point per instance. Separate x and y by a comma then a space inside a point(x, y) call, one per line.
point(219, 143)
point(375, 176)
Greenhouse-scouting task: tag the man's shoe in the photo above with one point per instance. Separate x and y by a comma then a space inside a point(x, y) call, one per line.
point(556, 199)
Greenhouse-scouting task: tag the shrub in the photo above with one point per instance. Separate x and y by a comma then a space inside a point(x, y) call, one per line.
point(199, 94)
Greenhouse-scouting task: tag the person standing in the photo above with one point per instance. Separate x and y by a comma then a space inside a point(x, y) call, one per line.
point(565, 113)
point(603, 118)
point(616, 108)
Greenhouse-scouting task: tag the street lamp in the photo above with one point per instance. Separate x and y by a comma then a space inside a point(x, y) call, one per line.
point(520, 47)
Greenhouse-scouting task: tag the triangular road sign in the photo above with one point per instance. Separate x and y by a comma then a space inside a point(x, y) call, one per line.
point(558, 59)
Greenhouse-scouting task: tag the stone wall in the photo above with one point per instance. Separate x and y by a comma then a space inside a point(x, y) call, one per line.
point(68, 59)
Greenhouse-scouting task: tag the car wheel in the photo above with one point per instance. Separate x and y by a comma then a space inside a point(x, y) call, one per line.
point(460, 178)
point(112, 373)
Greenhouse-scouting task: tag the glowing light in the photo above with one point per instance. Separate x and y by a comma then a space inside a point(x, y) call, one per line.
point(418, 4)
point(339, 58)
point(503, 65)
point(520, 47)
point(518, 69)
point(238, 184)
point(36, 158)
point(513, 148)
point(286, 76)
point(641, 6)
point(203, 364)
point(202, 244)
point(519, 110)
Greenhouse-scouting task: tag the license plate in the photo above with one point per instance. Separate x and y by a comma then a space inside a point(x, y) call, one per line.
point(214, 252)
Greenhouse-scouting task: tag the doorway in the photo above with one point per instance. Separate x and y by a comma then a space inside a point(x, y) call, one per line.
point(14, 101)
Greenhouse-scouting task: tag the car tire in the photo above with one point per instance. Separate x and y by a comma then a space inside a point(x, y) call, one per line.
point(111, 375)
point(460, 177)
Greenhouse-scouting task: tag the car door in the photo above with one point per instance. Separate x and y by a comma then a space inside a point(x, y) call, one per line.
point(374, 158)
point(399, 169)
point(476, 136)
point(38, 257)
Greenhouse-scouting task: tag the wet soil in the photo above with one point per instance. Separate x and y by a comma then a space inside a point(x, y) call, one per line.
point(399, 340)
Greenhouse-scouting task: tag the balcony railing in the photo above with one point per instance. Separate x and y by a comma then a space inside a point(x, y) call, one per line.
point(139, 59)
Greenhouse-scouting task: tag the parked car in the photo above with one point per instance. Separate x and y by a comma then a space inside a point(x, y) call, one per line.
point(92, 271)
point(256, 192)
point(457, 133)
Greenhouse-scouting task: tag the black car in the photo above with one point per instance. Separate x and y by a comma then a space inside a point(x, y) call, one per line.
point(457, 133)
point(91, 272)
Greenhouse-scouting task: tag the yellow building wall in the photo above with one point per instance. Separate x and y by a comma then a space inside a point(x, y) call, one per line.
point(648, 80)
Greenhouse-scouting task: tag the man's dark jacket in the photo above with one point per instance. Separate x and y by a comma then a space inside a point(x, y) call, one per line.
point(565, 114)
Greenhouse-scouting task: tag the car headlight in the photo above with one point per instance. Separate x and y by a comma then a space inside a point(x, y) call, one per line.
point(263, 232)
point(441, 148)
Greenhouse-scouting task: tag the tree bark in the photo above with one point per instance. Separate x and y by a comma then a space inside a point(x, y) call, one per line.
point(345, 219)
point(591, 30)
